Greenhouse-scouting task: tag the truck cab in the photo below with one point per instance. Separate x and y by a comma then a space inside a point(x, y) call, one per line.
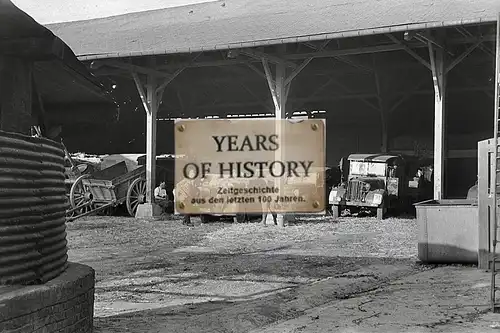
point(375, 182)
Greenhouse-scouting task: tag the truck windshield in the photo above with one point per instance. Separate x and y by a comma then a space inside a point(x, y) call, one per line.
point(361, 168)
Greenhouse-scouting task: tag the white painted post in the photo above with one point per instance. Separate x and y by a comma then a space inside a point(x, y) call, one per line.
point(151, 139)
point(279, 114)
point(149, 101)
point(439, 79)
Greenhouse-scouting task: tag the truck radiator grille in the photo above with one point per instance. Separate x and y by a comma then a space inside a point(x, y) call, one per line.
point(355, 190)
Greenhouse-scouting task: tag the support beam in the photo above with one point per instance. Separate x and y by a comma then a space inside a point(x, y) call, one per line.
point(129, 67)
point(270, 58)
point(461, 57)
point(169, 79)
point(350, 92)
point(407, 95)
point(271, 83)
point(345, 52)
point(296, 71)
point(410, 51)
point(149, 98)
point(140, 90)
point(316, 92)
point(467, 34)
point(278, 89)
point(279, 114)
point(161, 89)
point(151, 139)
point(257, 98)
point(439, 79)
point(382, 107)
point(354, 64)
point(256, 70)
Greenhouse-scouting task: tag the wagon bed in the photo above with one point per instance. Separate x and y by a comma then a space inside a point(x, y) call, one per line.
point(107, 189)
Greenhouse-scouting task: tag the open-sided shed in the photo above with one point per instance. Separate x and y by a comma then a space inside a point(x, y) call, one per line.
point(385, 70)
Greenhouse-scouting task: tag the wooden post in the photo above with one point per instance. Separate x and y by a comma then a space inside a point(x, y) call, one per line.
point(280, 114)
point(15, 95)
point(382, 107)
point(278, 90)
point(279, 85)
point(149, 101)
point(485, 207)
point(494, 159)
point(151, 138)
point(439, 80)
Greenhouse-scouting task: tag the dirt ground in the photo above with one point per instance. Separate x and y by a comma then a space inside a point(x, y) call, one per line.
point(315, 275)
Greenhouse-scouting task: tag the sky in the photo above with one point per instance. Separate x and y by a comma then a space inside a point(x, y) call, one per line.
point(53, 11)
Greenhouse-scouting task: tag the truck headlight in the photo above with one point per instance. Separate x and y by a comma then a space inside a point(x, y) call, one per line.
point(333, 196)
point(377, 198)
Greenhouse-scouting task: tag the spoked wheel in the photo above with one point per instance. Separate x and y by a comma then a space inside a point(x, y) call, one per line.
point(80, 196)
point(136, 195)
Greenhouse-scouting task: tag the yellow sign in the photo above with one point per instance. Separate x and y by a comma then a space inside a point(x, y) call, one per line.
point(250, 166)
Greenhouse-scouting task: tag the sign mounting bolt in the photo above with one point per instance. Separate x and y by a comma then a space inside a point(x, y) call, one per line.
point(181, 205)
point(315, 204)
point(314, 127)
point(181, 128)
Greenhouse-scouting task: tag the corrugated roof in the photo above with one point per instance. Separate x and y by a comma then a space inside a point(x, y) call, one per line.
point(247, 23)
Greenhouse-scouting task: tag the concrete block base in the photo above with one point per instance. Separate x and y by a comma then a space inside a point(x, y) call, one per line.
point(148, 210)
point(63, 304)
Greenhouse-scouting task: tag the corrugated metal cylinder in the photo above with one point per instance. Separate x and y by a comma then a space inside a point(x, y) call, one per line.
point(33, 204)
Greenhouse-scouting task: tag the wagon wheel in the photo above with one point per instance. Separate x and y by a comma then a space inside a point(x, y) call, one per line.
point(80, 195)
point(136, 195)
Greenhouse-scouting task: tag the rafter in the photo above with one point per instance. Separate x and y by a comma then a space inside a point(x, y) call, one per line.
point(410, 51)
point(467, 34)
point(297, 70)
point(140, 90)
point(271, 83)
point(256, 70)
point(129, 67)
point(269, 57)
point(344, 52)
point(407, 95)
point(169, 79)
point(461, 57)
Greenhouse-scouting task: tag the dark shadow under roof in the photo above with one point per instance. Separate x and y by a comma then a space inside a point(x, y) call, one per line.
point(248, 23)
point(62, 79)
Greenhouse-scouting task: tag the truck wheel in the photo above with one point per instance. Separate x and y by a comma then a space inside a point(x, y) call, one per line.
point(380, 213)
point(335, 211)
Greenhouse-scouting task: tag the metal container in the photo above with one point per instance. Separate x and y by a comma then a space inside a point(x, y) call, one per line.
point(448, 231)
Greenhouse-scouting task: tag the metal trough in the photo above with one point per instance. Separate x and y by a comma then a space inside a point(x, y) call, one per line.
point(448, 231)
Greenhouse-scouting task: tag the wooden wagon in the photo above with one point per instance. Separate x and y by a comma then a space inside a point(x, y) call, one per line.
point(108, 188)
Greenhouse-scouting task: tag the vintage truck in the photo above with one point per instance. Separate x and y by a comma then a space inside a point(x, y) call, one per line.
point(380, 182)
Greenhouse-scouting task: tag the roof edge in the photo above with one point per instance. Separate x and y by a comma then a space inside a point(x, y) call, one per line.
point(298, 39)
